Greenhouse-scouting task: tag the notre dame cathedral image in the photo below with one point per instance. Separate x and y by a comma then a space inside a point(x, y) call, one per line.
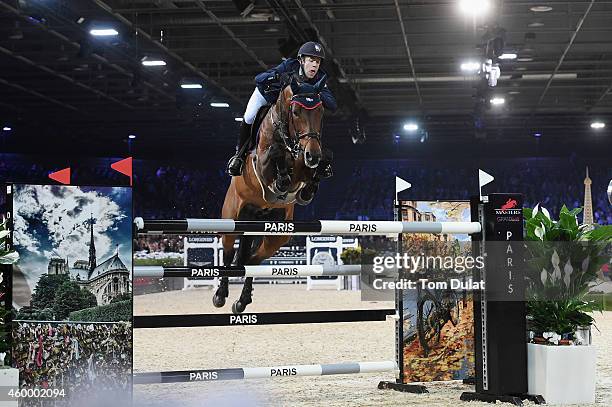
point(106, 280)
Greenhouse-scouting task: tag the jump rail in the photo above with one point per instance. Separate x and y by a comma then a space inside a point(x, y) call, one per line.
point(262, 318)
point(281, 271)
point(332, 227)
point(263, 372)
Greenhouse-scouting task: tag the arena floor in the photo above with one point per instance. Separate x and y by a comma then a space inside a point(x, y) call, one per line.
point(253, 346)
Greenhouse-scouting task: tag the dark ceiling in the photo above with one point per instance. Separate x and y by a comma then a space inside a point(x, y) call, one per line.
point(392, 61)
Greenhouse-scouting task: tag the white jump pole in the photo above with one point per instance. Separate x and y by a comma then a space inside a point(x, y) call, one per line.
point(263, 372)
point(321, 227)
point(281, 271)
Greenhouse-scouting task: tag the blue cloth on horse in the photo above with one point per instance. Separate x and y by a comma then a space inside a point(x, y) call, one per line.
point(268, 83)
point(307, 101)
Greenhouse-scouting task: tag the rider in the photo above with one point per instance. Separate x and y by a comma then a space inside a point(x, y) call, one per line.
point(306, 67)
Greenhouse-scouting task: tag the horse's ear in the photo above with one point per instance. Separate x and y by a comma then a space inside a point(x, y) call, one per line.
point(321, 83)
point(295, 86)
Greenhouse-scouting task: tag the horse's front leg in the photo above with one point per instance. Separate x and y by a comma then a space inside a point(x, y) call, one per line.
point(282, 181)
point(322, 171)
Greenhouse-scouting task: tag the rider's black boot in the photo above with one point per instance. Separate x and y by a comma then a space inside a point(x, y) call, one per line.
point(236, 163)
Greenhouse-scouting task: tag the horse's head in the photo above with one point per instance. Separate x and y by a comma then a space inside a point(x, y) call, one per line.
point(305, 109)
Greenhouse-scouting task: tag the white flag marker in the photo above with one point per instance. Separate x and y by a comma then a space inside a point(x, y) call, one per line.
point(401, 185)
point(483, 179)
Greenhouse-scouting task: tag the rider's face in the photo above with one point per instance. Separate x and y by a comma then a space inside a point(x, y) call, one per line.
point(311, 66)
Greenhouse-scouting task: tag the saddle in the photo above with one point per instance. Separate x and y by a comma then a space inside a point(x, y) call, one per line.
point(259, 118)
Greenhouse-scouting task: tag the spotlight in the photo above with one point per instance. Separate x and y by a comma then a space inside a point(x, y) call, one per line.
point(150, 61)
point(498, 101)
point(238, 119)
point(474, 7)
point(508, 55)
point(132, 136)
point(6, 128)
point(537, 134)
point(598, 125)
point(470, 66)
point(191, 86)
point(219, 104)
point(104, 32)
point(541, 9)
point(411, 127)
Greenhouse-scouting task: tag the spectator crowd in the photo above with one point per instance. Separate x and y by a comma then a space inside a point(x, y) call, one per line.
point(360, 189)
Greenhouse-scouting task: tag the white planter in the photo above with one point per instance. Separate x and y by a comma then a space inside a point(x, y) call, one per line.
point(562, 374)
point(9, 378)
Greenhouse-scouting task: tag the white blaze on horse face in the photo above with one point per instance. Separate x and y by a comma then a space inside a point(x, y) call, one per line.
point(311, 66)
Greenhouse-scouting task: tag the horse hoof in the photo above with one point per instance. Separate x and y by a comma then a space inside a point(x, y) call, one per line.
point(218, 301)
point(238, 307)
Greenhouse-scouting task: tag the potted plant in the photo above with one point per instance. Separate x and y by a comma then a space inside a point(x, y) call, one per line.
point(563, 261)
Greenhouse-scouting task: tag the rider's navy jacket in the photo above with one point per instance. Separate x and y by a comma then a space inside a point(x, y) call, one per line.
point(268, 83)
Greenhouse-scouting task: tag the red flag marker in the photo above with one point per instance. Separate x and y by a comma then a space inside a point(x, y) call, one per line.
point(61, 176)
point(124, 166)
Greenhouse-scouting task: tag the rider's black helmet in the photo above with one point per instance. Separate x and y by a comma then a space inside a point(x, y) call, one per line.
point(313, 49)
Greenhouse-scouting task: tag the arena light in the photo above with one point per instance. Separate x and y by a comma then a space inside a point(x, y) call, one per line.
point(238, 119)
point(104, 32)
point(411, 126)
point(541, 9)
point(470, 66)
point(147, 61)
point(597, 125)
point(132, 136)
point(508, 55)
point(537, 134)
point(474, 7)
point(191, 85)
point(219, 104)
point(496, 101)
point(6, 128)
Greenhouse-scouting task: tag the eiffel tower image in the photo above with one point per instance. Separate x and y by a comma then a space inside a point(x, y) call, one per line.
point(587, 218)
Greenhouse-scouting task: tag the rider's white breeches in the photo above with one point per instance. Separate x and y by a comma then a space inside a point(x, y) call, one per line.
point(255, 103)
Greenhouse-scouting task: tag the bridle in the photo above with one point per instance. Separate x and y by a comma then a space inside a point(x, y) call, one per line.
point(311, 134)
point(284, 126)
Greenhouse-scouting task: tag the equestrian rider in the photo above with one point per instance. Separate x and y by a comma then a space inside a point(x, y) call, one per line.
point(268, 87)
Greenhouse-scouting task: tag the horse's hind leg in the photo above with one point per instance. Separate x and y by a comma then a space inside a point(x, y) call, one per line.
point(228, 256)
point(268, 247)
point(244, 253)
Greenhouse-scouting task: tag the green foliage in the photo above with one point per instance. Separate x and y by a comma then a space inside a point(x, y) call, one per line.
point(71, 297)
point(114, 312)
point(47, 286)
point(357, 256)
point(6, 256)
point(562, 317)
point(564, 259)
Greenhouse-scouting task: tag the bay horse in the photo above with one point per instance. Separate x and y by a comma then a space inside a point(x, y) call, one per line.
point(277, 175)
